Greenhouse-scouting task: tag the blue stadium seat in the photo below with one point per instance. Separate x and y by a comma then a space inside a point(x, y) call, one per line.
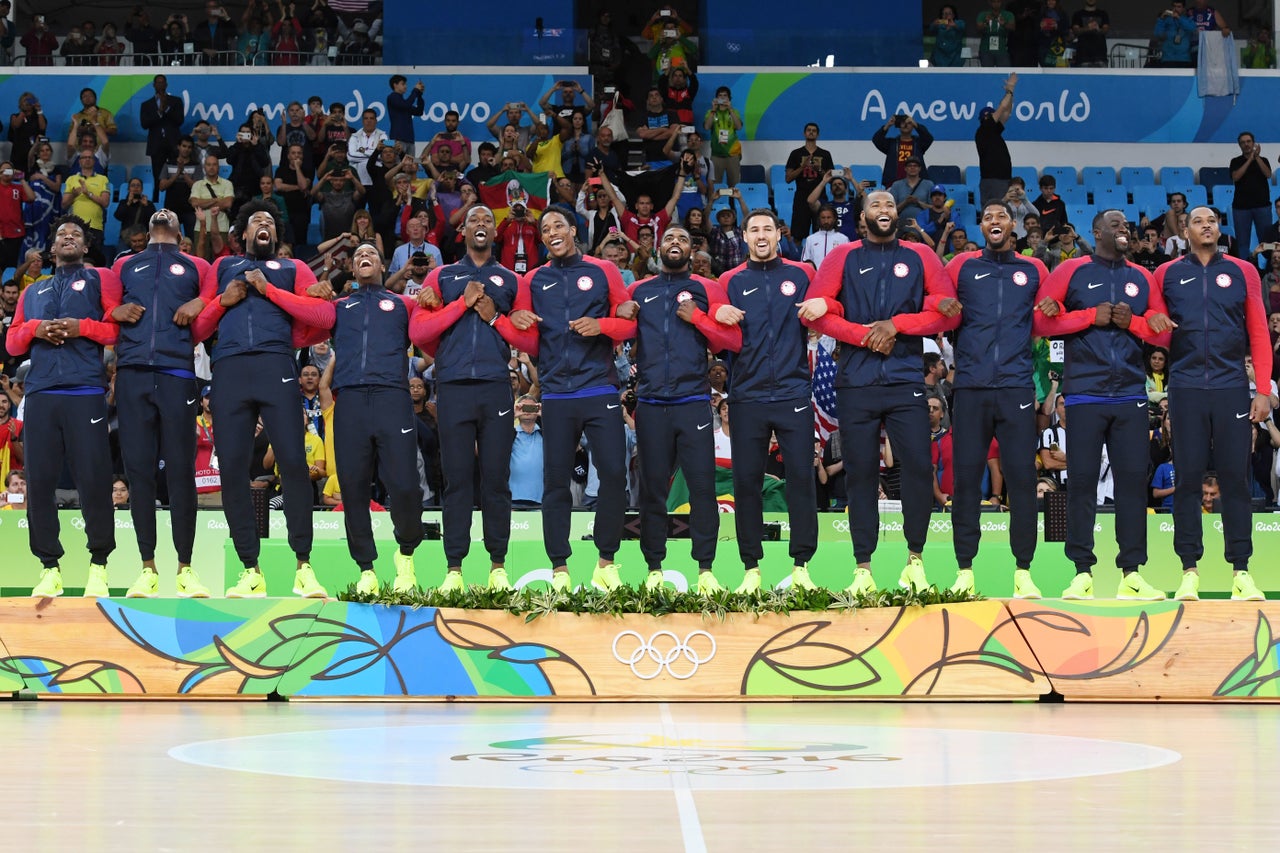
point(1134, 176)
point(1223, 195)
point(110, 235)
point(753, 173)
point(1064, 175)
point(754, 194)
point(1094, 175)
point(1094, 187)
point(224, 170)
point(959, 193)
point(1151, 200)
point(965, 216)
point(1275, 194)
point(314, 235)
point(777, 173)
point(140, 170)
point(784, 195)
point(945, 174)
point(1173, 176)
point(117, 174)
point(1215, 175)
point(972, 175)
point(1028, 174)
point(864, 172)
point(1073, 194)
point(1081, 216)
point(1116, 197)
point(7, 274)
point(1195, 193)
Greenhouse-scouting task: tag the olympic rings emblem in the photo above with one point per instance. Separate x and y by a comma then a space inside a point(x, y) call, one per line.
point(663, 652)
point(940, 526)
point(840, 526)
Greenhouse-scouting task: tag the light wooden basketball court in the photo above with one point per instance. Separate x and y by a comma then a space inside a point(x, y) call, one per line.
point(239, 776)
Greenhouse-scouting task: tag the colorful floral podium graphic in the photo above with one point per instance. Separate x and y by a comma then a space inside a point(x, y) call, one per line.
point(1154, 650)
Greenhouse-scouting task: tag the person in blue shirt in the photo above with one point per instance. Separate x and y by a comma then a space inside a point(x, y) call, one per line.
point(526, 455)
point(948, 39)
point(402, 108)
point(1176, 33)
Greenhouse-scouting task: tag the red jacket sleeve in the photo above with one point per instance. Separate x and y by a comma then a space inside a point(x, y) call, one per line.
point(825, 284)
point(208, 284)
point(1155, 305)
point(937, 286)
point(305, 310)
point(21, 331)
point(1055, 287)
point(304, 278)
point(104, 331)
point(207, 323)
point(719, 336)
point(527, 340)
point(612, 326)
point(426, 326)
point(1255, 324)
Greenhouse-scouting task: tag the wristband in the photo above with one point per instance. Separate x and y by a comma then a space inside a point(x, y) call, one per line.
point(495, 319)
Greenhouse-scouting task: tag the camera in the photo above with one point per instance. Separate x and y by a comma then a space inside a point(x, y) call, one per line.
point(670, 33)
point(244, 136)
point(8, 173)
point(529, 408)
point(899, 120)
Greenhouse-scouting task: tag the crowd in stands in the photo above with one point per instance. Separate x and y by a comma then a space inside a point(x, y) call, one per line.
point(266, 32)
point(623, 169)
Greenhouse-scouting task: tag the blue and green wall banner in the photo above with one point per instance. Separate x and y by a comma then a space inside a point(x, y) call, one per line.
point(1056, 106)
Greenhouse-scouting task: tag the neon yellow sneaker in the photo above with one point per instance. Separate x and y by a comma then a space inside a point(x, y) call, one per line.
point(863, 583)
point(251, 585)
point(1134, 588)
point(561, 582)
point(1080, 588)
point(368, 583)
point(1243, 588)
point(707, 584)
point(913, 576)
point(452, 582)
point(1023, 586)
point(800, 578)
point(306, 585)
point(50, 585)
point(653, 581)
point(146, 586)
point(96, 586)
point(406, 577)
point(189, 585)
point(606, 578)
point(964, 582)
point(1189, 589)
point(498, 580)
point(750, 582)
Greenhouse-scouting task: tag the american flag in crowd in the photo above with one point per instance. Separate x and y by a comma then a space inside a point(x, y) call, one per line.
point(823, 369)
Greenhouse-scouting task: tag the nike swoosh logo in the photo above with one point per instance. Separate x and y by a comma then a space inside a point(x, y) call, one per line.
point(46, 290)
point(801, 409)
point(1026, 406)
point(917, 393)
point(614, 406)
point(980, 277)
point(192, 400)
point(749, 292)
point(549, 286)
point(349, 304)
point(287, 379)
point(504, 414)
point(406, 431)
point(1245, 415)
point(100, 420)
point(141, 268)
point(1186, 280)
point(1142, 405)
point(649, 299)
point(861, 271)
point(1095, 286)
point(704, 426)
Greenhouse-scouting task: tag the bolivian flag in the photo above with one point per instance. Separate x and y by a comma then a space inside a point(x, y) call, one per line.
point(505, 191)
